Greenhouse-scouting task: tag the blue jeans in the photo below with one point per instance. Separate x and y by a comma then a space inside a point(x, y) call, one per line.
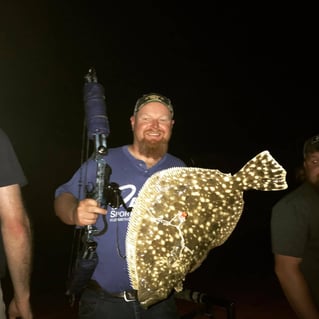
point(98, 305)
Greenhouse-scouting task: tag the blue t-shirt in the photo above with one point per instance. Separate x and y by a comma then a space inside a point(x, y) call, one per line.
point(130, 174)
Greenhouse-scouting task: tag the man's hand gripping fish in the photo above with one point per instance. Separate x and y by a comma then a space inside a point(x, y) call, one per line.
point(181, 214)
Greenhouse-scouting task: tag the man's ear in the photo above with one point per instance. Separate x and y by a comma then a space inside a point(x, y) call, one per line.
point(132, 120)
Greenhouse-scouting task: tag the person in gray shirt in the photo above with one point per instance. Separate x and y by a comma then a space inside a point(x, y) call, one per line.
point(295, 238)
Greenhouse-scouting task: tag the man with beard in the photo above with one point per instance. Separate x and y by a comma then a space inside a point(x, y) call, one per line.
point(109, 294)
point(295, 238)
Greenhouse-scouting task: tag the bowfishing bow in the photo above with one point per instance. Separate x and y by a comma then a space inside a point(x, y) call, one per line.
point(98, 130)
point(105, 193)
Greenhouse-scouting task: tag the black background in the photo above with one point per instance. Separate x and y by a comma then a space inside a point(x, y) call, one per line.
point(242, 78)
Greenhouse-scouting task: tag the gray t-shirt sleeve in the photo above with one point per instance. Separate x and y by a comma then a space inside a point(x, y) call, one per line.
point(288, 229)
point(10, 169)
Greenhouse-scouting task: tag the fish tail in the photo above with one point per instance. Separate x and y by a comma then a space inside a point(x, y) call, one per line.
point(262, 172)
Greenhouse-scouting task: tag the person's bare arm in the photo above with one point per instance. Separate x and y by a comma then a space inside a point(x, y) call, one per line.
point(74, 212)
point(294, 286)
point(17, 239)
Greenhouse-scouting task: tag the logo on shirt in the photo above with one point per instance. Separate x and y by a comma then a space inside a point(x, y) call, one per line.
point(129, 195)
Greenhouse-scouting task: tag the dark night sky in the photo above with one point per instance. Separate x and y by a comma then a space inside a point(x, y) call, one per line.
point(242, 78)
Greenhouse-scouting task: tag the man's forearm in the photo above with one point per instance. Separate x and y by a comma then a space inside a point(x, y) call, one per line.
point(298, 295)
point(18, 247)
point(65, 206)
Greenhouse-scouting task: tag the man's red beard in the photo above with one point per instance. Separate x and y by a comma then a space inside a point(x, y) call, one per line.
point(153, 148)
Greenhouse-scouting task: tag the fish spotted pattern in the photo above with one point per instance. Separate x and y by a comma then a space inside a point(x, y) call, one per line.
point(182, 213)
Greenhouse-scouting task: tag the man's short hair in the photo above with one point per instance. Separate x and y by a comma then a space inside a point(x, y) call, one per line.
point(311, 145)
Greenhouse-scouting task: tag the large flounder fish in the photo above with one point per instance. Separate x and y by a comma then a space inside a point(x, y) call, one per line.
point(182, 213)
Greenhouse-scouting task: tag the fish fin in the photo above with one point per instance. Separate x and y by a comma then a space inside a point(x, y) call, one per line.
point(263, 173)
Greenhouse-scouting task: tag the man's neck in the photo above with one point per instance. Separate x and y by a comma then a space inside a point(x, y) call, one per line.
point(151, 156)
